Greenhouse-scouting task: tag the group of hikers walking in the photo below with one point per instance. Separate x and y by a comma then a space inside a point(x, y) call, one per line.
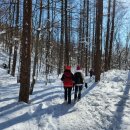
point(73, 81)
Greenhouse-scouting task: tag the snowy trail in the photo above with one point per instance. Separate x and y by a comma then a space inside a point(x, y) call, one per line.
point(120, 118)
point(98, 107)
point(103, 106)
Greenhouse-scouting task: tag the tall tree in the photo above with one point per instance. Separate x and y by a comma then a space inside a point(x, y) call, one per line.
point(111, 34)
point(107, 36)
point(99, 12)
point(48, 39)
point(25, 52)
point(11, 13)
point(15, 40)
point(80, 37)
point(93, 35)
point(66, 35)
point(36, 49)
point(61, 38)
point(87, 37)
point(127, 50)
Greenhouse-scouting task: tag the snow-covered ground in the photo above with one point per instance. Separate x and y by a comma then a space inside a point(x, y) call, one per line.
point(103, 106)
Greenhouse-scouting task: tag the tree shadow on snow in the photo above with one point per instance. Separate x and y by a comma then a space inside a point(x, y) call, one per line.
point(48, 88)
point(15, 106)
point(117, 118)
point(55, 110)
point(12, 108)
point(47, 96)
point(39, 114)
point(39, 98)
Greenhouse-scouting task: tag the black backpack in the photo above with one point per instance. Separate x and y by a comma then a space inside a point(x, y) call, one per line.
point(78, 78)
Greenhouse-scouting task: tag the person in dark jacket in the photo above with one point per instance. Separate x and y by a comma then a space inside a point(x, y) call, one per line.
point(68, 81)
point(5, 66)
point(91, 72)
point(79, 80)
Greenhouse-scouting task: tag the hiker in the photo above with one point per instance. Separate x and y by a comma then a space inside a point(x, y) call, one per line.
point(4, 66)
point(79, 80)
point(91, 72)
point(68, 81)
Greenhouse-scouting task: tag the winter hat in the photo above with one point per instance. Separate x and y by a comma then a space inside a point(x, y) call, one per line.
point(68, 67)
point(78, 67)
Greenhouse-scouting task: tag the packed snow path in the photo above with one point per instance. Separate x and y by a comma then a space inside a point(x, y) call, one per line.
point(104, 106)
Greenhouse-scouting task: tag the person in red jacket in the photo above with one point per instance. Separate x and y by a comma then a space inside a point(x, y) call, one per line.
point(68, 81)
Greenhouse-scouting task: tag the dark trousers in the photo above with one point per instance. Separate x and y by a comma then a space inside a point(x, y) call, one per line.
point(67, 94)
point(78, 90)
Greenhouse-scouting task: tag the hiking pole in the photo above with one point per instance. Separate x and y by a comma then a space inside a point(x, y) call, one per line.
point(61, 88)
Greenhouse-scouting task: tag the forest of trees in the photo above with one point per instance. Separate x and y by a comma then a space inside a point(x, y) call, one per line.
point(42, 36)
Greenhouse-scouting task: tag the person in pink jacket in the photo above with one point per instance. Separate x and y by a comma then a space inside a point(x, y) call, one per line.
point(79, 80)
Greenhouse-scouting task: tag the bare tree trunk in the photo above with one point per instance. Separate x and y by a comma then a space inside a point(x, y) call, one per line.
point(80, 38)
point(82, 35)
point(126, 52)
point(87, 38)
point(107, 36)
point(25, 52)
point(93, 38)
point(10, 36)
point(36, 51)
point(66, 36)
point(48, 41)
point(112, 35)
point(99, 12)
point(61, 52)
point(16, 42)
